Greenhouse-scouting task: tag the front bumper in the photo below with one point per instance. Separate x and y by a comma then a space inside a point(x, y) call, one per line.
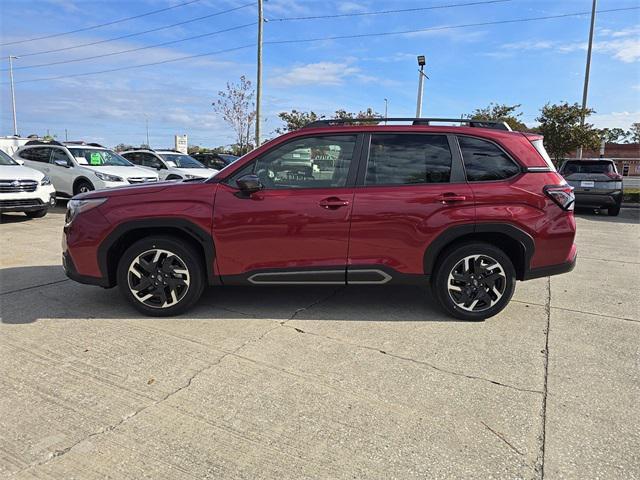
point(72, 273)
point(43, 198)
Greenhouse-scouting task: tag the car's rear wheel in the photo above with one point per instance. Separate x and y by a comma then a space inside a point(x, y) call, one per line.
point(474, 281)
point(37, 213)
point(83, 186)
point(161, 276)
point(613, 211)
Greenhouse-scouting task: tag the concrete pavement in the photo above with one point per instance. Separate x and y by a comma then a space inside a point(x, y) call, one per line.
point(358, 382)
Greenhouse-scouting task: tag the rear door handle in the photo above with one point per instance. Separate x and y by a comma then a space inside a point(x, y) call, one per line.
point(332, 203)
point(450, 198)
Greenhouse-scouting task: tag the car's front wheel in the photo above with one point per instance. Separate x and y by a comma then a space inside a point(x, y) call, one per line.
point(474, 281)
point(161, 276)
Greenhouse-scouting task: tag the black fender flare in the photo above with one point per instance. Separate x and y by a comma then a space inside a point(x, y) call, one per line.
point(452, 234)
point(195, 232)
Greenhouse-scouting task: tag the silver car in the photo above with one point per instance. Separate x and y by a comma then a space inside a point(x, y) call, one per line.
point(596, 183)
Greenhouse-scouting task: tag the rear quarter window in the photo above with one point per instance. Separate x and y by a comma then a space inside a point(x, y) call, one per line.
point(485, 161)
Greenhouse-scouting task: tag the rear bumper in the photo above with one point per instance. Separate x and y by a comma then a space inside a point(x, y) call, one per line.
point(549, 270)
point(609, 199)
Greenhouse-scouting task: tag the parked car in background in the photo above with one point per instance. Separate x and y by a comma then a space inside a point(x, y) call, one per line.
point(216, 161)
point(24, 189)
point(79, 167)
point(469, 209)
point(596, 183)
point(170, 164)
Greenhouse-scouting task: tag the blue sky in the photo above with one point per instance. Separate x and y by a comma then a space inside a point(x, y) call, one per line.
point(530, 63)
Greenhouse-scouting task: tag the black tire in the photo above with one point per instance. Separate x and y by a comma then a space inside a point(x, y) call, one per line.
point(473, 288)
point(83, 186)
point(183, 256)
point(613, 211)
point(37, 213)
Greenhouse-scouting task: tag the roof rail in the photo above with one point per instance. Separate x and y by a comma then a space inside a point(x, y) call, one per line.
point(82, 142)
point(42, 142)
point(415, 121)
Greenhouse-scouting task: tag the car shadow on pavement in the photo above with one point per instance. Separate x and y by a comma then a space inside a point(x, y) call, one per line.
point(627, 215)
point(28, 294)
point(14, 218)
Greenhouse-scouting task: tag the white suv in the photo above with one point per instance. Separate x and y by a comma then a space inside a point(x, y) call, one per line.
point(78, 167)
point(170, 164)
point(24, 189)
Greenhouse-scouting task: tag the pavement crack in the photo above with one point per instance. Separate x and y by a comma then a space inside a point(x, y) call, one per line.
point(501, 437)
point(539, 464)
point(418, 362)
point(313, 304)
point(34, 286)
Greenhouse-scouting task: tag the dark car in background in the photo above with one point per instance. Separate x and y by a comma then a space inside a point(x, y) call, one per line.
point(596, 183)
point(215, 160)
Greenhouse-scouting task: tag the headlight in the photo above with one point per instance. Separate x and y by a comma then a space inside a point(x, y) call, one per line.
point(108, 178)
point(45, 181)
point(76, 207)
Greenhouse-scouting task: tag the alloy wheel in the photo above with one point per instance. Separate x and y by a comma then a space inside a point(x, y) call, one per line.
point(476, 283)
point(158, 278)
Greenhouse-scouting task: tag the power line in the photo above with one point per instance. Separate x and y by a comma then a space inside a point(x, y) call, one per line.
point(113, 22)
point(135, 34)
point(339, 37)
point(137, 49)
point(383, 12)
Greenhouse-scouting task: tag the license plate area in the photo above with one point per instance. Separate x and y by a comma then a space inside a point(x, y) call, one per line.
point(587, 184)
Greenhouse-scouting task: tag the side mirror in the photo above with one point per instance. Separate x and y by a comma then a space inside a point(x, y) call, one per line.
point(249, 184)
point(18, 161)
point(62, 163)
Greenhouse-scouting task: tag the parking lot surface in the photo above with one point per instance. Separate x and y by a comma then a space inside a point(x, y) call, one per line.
point(298, 383)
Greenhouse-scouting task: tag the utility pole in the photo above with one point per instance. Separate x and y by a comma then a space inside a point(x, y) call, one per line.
point(13, 94)
point(66, 135)
point(146, 122)
point(386, 109)
point(421, 75)
point(585, 91)
point(259, 73)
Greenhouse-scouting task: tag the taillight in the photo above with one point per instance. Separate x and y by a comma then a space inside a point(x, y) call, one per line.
point(615, 176)
point(562, 195)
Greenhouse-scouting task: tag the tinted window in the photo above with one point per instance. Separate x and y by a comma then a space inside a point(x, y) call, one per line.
point(484, 161)
point(312, 162)
point(58, 154)
point(587, 167)
point(39, 154)
point(132, 157)
point(180, 160)
point(400, 159)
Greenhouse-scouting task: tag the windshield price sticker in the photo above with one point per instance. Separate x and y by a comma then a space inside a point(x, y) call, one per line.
point(96, 159)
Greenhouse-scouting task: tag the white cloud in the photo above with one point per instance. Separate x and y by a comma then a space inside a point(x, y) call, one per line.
point(350, 7)
point(615, 119)
point(321, 73)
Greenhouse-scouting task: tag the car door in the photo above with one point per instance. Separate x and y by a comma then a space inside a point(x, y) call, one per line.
point(61, 176)
point(296, 229)
point(410, 190)
point(37, 158)
point(152, 162)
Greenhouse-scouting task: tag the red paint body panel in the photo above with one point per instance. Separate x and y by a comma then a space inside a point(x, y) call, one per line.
point(393, 225)
point(280, 229)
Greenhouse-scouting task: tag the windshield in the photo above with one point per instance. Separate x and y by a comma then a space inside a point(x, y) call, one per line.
point(228, 158)
point(587, 167)
point(6, 159)
point(181, 161)
point(95, 157)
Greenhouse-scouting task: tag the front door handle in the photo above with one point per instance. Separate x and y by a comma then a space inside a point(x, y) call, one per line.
point(332, 203)
point(450, 198)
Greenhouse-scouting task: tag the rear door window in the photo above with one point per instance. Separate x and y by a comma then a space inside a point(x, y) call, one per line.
point(38, 154)
point(408, 159)
point(485, 161)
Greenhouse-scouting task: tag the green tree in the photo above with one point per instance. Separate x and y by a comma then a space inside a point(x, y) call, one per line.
point(367, 114)
point(500, 113)
point(561, 126)
point(295, 120)
point(635, 132)
point(614, 135)
point(123, 147)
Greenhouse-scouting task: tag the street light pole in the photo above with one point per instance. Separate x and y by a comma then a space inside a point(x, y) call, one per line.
point(259, 73)
point(386, 109)
point(421, 63)
point(146, 122)
point(585, 90)
point(13, 95)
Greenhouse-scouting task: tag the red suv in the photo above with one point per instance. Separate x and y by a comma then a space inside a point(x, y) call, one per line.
point(469, 209)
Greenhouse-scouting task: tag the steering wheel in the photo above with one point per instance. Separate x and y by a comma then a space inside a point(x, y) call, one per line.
point(266, 177)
